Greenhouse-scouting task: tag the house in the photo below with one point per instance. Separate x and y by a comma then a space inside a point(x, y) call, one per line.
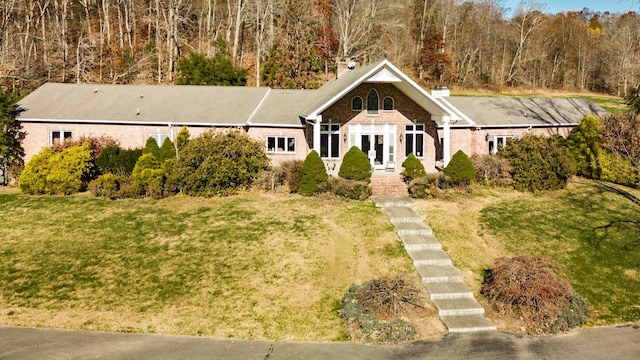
point(375, 107)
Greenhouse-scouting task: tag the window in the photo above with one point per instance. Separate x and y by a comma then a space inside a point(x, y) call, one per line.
point(387, 103)
point(414, 140)
point(281, 144)
point(373, 102)
point(159, 137)
point(59, 136)
point(330, 141)
point(356, 103)
point(496, 142)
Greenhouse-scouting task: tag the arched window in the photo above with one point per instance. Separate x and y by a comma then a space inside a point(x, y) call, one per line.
point(373, 102)
point(356, 103)
point(387, 103)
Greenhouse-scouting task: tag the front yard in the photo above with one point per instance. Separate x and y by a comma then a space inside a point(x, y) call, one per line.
point(257, 265)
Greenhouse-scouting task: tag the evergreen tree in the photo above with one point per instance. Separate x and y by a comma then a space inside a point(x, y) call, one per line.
point(151, 147)
point(11, 134)
point(181, 140)
point(413, 168)
point(460, 168)
point(585, 144)
point(197, 69)
point(355, 166)
point(313, 175)
point(167, 150)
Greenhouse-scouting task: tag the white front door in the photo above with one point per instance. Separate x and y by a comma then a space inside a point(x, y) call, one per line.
point(377, 142)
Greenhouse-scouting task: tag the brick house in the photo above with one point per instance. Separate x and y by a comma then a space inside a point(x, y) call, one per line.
point(374, 107)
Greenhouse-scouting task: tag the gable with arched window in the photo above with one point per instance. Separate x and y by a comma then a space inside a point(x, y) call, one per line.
point(373, 102)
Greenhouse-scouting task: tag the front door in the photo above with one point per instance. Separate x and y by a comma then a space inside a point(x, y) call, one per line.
point(373, 145)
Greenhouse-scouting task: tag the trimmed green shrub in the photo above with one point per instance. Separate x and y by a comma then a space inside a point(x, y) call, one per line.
point(492, 170)
point(167, 151)
point(350, 189)
point(110, 185)
point(538, 163)
point(355, 166)
point(61, 173)
point(151, 147)
point(529, 287)
point(314, 175)
point(116, 160)
point(585, 144)
point(219, 164)
point(413, 168)
point(364, 307)
point(149, 178)
point(460, 168)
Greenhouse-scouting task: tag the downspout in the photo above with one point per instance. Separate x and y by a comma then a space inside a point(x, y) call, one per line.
point(446, 140)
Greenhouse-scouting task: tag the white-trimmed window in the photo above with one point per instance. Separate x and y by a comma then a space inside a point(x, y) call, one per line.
point(159, 137)
point(414, 140)
point(388, 103)
point(60, 136)
point(356, 103)
point(373, 102)
point(496, 142)
point(281, 144)
point(330, 141)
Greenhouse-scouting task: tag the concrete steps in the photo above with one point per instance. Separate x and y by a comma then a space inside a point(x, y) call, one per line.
point(455, 302)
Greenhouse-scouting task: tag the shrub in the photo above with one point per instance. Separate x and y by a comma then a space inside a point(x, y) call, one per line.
point(530, 288)
point(271, 179)
point(116, 160)
point(492, 170)
point(371, 311)
point(355, 166)
point(425, 187)
point(96, 145)
point(149, 178)
point(61, 173)
point(167, 150)
point(293, 174)
point(538, 163)
point(617, 169)
point(350, 189)
point(314, 175)
point(219, 164)
point(110, 185)
point(151, 147)
point(413, 168)
point(460, 168)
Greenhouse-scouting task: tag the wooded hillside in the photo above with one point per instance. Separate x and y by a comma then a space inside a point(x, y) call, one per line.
point(295, 43)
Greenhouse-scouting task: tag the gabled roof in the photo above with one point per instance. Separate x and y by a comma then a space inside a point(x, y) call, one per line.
point(377, 72)
point(282, 107)
point(523, 112)
point(140, 104)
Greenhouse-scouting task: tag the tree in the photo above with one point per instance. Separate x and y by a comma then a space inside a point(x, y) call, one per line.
point(413, 168)
point(460, 168)
point(538, 163)
point(293, 62)
point(585, 144)
point(314, 175)
point(355, 166)
point(12, 134)
point(622, 136)
point(219, 164)
point(197, 69)
point(633, 99)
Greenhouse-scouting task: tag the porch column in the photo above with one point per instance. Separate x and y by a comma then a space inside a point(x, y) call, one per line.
point(316, 134)
point(446, 140)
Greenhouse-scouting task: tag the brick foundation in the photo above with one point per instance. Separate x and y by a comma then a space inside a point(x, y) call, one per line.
point(388, 185)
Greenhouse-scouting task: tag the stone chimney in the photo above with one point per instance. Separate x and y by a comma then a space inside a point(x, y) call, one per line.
point(345, 66)
point(440, 92)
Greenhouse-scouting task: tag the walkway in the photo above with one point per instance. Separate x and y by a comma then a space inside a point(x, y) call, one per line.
point(455, 302)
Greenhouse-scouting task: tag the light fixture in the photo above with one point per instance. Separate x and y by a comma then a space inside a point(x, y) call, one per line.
point(400, 138)
point(344, 137)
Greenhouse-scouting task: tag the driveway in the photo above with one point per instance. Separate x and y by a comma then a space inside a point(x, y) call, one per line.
point(615, 342)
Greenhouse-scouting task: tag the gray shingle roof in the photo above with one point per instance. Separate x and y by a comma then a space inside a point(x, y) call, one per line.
point(283, 107)
point(510, 111)
point(207, 105)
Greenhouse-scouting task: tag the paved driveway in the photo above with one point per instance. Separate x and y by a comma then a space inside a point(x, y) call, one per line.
point(616, 342)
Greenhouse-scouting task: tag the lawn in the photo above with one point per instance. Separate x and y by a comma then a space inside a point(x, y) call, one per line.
point(253, 266)
point(589, 228)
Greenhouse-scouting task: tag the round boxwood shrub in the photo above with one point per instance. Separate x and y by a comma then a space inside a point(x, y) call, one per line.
point(355, 166)
point(460, 168)
point(413, 168)
point(314, 175)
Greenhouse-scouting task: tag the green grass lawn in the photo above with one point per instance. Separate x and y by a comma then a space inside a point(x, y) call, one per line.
point(570, 226)
point(256, 265)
